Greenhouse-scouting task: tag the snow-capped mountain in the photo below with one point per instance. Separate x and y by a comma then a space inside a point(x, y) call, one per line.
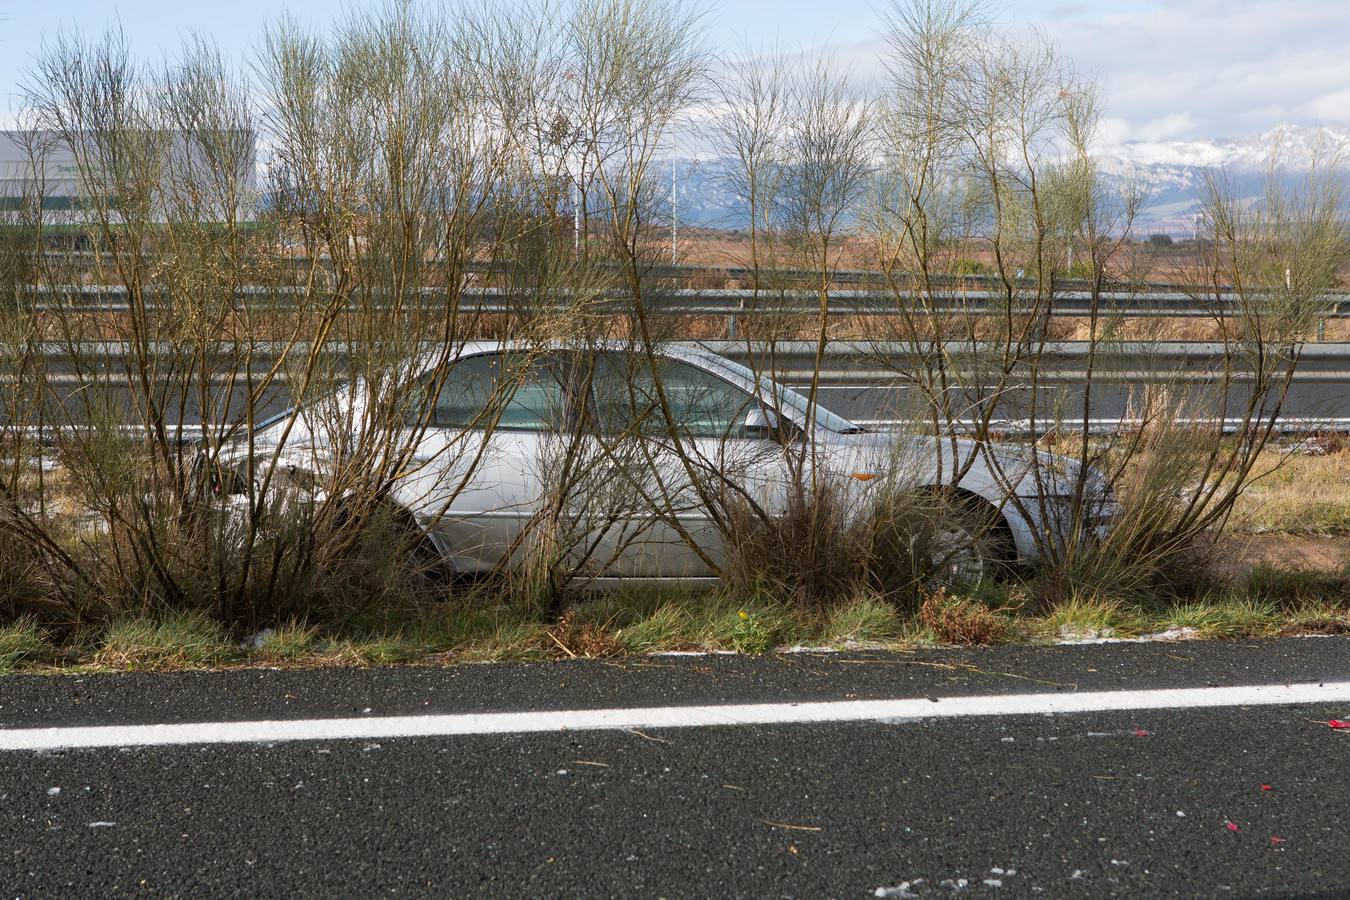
point(1295, 148)
point(1171, 172)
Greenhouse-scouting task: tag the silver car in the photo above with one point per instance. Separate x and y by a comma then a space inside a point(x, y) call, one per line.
point(507, 419)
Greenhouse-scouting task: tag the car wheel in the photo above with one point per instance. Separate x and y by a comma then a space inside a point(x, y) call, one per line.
point(972, 544)
point(419, 559)
point(426, 564)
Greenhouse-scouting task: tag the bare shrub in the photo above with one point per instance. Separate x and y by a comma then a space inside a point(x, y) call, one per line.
point(842, 538)
point(987, 148)
point(333, 318)
point(236, 414)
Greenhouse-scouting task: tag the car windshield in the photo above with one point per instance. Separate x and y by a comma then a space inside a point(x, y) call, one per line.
point(786, 398)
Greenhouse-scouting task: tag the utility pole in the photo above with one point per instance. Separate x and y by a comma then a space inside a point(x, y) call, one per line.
point(674, 217)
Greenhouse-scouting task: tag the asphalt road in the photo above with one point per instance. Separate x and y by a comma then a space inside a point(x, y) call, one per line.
point(1205, 802)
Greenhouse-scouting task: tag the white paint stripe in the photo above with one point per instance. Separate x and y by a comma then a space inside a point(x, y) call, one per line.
point(665, 717)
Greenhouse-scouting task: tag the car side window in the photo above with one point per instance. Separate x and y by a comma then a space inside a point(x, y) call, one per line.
point(507, 391)
point(702, 404)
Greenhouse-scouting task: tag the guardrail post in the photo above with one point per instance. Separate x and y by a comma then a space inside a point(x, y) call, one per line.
point(731, 320)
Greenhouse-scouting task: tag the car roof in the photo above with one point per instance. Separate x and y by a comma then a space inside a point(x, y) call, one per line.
point(674, 351)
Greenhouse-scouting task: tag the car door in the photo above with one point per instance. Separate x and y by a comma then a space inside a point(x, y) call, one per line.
point(707, 460)
point(479, 468)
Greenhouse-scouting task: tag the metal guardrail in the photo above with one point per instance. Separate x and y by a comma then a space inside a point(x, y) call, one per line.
point(863, 375)
point(836, 352)
point(864, 365)
point(731, 303)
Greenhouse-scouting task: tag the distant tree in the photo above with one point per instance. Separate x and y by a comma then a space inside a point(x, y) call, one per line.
point(1159, 241)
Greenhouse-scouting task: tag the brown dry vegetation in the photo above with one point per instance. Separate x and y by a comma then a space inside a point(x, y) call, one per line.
point(716, 247)
point(1304, 493)
point(462, 136)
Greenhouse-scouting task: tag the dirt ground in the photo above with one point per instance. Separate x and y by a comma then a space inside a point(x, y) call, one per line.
point(1312, 553)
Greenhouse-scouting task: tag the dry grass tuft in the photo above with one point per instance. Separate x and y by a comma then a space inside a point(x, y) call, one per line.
point(290, 642)
point(1089, 616)
point(958, 620)
point(584, 640)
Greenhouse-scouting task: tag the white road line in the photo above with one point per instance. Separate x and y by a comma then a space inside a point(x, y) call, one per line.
point(665, 717)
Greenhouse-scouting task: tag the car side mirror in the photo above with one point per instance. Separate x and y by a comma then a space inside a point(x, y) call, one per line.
point(760, 423)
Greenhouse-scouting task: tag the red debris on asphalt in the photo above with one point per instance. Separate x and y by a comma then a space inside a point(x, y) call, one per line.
point(1339, 724)
point(1267, 787)
point(1276, 839)
point(1139, 732)
point(1232, 826)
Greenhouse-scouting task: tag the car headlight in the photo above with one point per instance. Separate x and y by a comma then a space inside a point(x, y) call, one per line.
point(1095, 514)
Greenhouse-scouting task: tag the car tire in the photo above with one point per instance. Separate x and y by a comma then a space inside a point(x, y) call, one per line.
point(427, 565)
point(973, 544)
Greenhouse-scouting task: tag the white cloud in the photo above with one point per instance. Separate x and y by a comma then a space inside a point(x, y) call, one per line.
point(1192, 69)
point(1186, 69)
point(1114, 131)
point(1331, 107)
point(1168, 127)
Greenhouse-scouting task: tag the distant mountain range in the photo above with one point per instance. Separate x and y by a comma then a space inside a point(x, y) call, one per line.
point(1171, 172)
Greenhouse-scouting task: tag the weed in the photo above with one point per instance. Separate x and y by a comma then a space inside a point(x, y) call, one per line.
point(588, 640)
point(753, 630)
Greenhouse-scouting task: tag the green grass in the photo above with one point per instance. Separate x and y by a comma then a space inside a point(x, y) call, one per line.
point(1226, 617)
point(383, 650)
point(1316, 618)
point(1295, 586)
point(499, 633)
point(24, 643)
point(292, 641)
point(1088, 616)
point(175, 641)
point(865, 620)
point(1266, 601)
point(668, 627)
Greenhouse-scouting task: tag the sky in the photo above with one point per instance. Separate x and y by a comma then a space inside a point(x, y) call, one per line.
point(1170, 69)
